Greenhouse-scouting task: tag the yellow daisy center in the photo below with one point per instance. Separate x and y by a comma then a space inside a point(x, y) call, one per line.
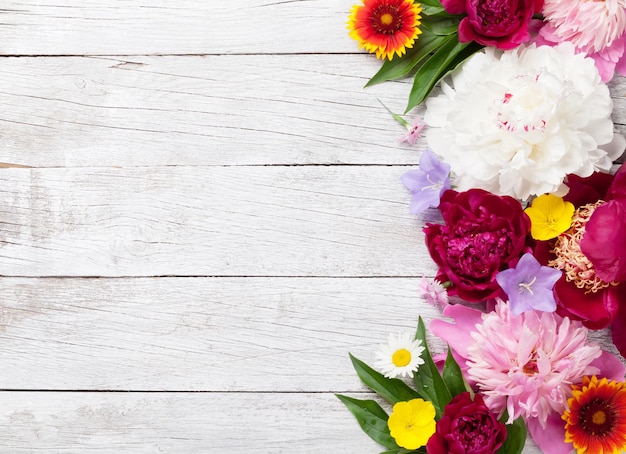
point(386, 19)
point(401, 357)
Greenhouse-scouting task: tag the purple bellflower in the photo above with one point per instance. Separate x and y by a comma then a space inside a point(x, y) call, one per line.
point(427, 183)
point(529, 285)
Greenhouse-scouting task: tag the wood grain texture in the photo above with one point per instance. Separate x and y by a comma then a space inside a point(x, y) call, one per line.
point(181, 423)
point(201, 334)
point(209, 221)
point(213, 110)
point(88, 27)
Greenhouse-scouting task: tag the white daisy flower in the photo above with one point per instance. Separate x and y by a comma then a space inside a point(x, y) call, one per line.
point(401, 356)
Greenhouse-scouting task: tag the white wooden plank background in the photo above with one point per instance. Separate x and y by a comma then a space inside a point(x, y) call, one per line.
point(200, 216)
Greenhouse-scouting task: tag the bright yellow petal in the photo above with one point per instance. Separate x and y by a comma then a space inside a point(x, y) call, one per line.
point(549, 216)
point(412, 423)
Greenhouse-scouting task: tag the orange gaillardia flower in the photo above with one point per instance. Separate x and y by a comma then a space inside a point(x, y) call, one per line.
point(595, 422)
point(385, 27)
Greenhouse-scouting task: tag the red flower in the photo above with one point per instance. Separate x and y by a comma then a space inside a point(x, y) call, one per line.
point(483, 234)
point(467, 427)
point(499, 23)
point(592, 255)
point(604, 242)
point(385, 27)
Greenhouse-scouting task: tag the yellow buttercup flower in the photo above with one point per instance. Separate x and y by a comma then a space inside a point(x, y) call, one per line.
point(412, 423)
point(549, 216)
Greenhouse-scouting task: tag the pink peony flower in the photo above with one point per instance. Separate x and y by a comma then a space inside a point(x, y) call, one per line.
point(528, 372)
point(467, 426)
point(499, 23)
point(596, 28)
point(483, 234)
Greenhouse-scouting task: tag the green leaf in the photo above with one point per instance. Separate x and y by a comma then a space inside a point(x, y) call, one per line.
point(434, 69)
point(431, 10)
point(395, 116)
point(452, 375)
point(441, 26)
point(515, 437)
point(398, 67)
point(391, 389)
point(372, 419)
point(428, 380)
point(431, 7)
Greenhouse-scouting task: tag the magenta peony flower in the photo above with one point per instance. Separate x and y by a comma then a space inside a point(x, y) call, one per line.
point(483, 234)
point(467, 427)
point(604, 242)
point(498, 23)
point(592, 255)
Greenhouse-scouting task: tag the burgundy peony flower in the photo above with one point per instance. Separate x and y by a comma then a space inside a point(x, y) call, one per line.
point(467, 427)
point(483, 234)
point(499, 23)
point(592, 255)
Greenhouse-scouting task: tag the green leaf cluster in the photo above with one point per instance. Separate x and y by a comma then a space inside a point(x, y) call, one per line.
point(430, 384)
point(436, 52)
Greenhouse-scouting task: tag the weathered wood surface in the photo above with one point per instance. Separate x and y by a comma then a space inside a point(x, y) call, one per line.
point(210, 110)
point(199, 334)
point(209, 221)
point(200, 216)
point(140, 27)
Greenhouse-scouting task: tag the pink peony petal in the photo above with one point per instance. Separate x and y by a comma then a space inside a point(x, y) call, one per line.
point(457, 335)
point(605, 67)
point(551, 438)
point(620, 67)
point(610, 366)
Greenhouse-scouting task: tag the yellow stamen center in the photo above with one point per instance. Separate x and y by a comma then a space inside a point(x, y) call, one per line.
point(386, 19)
point(570, 258)
point(401, 357)
point(599, 417)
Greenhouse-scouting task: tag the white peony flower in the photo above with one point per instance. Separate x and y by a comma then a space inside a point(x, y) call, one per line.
point(516, 123)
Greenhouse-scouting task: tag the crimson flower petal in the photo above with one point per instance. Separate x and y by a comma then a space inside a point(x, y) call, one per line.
point(594, 310)
point(604, 242)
